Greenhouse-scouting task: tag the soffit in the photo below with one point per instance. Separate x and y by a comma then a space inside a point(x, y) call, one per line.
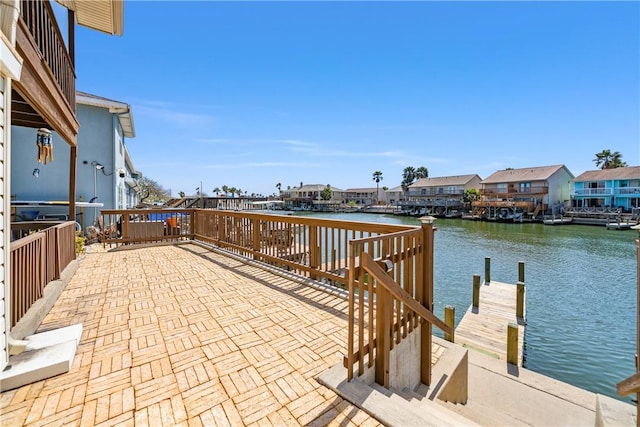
point(102, 15)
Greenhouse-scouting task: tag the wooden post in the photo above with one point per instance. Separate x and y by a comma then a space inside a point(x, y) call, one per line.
point(520, 300)
point(521, 271)
point(449, 319)
point(476, 291)
point(314, 250)
point(426, 328)
point(487, 270)
point(512, 344)
point(255, 224)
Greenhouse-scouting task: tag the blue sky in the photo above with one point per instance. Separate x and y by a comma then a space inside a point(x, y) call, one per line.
point(251, 94)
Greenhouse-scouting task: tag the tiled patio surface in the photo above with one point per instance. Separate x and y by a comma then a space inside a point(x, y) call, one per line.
point(179, 335)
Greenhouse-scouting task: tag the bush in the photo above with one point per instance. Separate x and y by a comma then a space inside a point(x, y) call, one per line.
point(80, 244)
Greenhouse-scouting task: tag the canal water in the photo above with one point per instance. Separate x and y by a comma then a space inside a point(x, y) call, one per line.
point(581, 290)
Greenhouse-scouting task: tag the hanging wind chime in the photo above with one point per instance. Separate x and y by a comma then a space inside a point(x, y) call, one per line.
point(45, 148)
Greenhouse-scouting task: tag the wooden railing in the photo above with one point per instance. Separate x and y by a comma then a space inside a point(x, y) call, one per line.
point(511, 192)
point(41, 23)
point(390, 294)
point(36, 260)
point(310, 247)
point(335, 252)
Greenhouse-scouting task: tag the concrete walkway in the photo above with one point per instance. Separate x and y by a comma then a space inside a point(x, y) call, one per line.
point(179, 335)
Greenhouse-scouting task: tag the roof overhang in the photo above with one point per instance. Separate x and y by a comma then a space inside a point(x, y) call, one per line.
point(102, 15)
point(121, 109)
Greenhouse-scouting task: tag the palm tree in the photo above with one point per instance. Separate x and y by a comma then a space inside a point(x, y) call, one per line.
point(377, 177)
point(422, 172)
point(225, 190)
point(606, 159)
point(408, 176)
point(217, 191)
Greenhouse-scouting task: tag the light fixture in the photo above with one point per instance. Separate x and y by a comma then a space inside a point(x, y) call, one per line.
point(427, 219)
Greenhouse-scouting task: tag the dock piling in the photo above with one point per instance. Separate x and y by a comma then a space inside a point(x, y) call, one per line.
point(487, 270)
point(476, 291)
point(512, 343)
point(449, 320)
point(520, 300)
point(521, 271)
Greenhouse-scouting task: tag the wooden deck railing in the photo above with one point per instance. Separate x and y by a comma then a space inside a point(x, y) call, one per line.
point(339, 253)
point(36, 260)
point(390, 294)
point(311, 247)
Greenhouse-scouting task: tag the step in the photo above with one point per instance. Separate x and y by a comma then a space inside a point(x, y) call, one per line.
point(387, 406)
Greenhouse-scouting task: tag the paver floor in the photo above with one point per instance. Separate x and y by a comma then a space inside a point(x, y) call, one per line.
point(179, 335)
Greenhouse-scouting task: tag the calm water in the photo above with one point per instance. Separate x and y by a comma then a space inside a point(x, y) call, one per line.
point(581, 290)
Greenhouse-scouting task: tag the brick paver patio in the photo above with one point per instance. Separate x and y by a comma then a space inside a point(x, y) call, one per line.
point(179, 335)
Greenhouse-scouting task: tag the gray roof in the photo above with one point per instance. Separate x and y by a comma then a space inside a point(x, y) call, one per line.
point(630, 172)
point(443, 181)
point(538, 173)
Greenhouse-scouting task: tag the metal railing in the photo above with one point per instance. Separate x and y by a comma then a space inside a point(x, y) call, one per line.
point(36, 260)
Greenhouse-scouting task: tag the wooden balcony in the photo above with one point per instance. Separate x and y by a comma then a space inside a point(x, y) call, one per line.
point(514, 192)
point(45, 94)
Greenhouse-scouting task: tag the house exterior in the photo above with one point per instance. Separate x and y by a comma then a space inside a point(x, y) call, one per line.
point(525, 192)
point(441, 195)
point(394, 195)
point(364, 196)
point(37, 90)
point(613, 188)
point(307, 197)
point(105, 172)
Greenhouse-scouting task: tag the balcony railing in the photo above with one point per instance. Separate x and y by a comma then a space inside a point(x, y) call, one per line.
point(36, 260)
point(510, 192)
point(608, 191)
point(41, 23)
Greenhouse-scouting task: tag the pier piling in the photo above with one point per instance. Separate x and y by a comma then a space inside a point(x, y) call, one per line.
point(449, 320)
point(476, 291)
point(520, 300)
point(487, 270)
point(512, 344)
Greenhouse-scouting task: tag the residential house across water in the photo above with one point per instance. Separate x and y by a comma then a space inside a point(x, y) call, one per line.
point(440, 196)
point(309, 197)
point(524, 194)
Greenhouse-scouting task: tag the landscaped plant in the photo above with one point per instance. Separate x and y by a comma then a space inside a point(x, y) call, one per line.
point(81, 249)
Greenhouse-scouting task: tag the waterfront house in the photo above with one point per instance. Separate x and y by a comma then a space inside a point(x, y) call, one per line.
point(308, 197)
point(364, 196)
point(394, 195)
point(37, 91)
point(525, 193)
point(443, 195)
point(105, 172)
point(617, 188)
